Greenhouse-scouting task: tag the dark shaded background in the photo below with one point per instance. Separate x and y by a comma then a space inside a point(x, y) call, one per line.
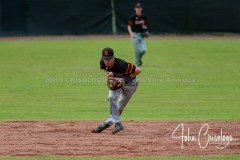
point(60, 17)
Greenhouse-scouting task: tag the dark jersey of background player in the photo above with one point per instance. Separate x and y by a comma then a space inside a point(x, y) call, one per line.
point(121, 68)
point(137, 22)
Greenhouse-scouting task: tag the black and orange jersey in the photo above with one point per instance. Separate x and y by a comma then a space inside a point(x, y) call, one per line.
point(137, 22)
point(121, 68)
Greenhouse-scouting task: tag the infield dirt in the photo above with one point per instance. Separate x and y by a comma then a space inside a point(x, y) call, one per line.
point(140, 138)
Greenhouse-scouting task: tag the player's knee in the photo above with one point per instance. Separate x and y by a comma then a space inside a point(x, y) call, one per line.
point(138, 52)
point(144, 51)
point(112, 98)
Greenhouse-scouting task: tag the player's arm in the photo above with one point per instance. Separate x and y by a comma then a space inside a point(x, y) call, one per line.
point(130, 31)
point(137, 71)
point(145, 27)
point(129, 27)
point(132, 70)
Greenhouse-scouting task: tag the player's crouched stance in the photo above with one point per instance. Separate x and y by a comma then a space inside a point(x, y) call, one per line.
point(122, 83)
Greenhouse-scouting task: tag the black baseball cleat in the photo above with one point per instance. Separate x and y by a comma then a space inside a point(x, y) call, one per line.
point(139, 64)
point(100, 128)
point(118, 127)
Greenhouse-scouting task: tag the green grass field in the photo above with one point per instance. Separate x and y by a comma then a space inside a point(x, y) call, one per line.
point(198, 79)
point(211, 90)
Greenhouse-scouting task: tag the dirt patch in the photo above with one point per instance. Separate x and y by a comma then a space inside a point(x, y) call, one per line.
point(144, 138)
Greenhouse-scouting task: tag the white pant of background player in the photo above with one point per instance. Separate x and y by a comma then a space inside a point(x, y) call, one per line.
point(118, 99)
point(139, 47)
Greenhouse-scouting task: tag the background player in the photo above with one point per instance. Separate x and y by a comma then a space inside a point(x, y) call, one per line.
point(118, 99)
point(137, 28)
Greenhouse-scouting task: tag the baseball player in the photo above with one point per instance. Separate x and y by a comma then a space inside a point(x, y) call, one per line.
point(137, 28)
point(118, 97)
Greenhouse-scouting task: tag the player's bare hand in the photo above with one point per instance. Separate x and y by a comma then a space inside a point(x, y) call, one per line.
point(148, 33)
point(109, 74)
point(132, 35)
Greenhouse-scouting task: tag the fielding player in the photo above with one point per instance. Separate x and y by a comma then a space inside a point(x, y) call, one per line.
point(118, 97)
point(137, 28)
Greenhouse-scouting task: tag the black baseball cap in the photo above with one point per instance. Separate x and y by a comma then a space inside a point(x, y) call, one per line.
point(138, 5)
point(107, 53)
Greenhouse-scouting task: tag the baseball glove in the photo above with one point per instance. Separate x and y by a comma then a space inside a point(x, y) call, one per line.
point(115, 83)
